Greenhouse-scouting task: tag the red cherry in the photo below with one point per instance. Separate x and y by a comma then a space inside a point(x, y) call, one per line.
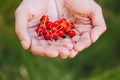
point(64, 25)
point(55, 36)
point(48, 36)
point(56, 24)
point(49, 25)
point(42, 26)
point(44, 18)
point(61, 33)
point(71, 33)
point(40, 31)
point(68, 29)
point(53, 29)
point(62, 20)
point(71, 25)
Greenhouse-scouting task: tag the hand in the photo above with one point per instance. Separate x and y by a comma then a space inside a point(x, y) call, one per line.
point(27, 17)
point(90, 23)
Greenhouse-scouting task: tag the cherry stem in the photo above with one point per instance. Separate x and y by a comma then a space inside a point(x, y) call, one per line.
point(71, 19)
point(57, 30)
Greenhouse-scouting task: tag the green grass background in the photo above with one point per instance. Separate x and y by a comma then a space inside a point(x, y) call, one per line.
point(101, 61)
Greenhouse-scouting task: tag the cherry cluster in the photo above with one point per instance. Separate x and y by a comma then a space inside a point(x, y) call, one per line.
point(53, 30)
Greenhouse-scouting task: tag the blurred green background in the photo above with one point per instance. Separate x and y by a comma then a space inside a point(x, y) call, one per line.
point(101, 61)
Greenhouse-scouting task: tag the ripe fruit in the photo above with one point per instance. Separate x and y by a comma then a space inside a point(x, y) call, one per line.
point(53, 30)
point(64, 26)
point(56, 24)
point(71, 25)
point(61, 33)
point(40, 31)
point(44, 19)
point(49, 25)
point(48, 36)
point(71, 33)
point(55, 36)
point(62, 20)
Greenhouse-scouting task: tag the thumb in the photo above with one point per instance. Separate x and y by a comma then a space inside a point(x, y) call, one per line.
point(21, 29)
point(98, 23)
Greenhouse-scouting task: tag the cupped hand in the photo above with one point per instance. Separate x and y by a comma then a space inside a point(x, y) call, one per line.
point(27, 18)
point(89, 21)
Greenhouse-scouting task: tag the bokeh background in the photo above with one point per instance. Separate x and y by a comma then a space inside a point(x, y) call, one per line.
point(101, 61)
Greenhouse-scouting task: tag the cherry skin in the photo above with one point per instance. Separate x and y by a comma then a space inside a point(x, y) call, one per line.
point(44, 19)
point(56, 24)
point(64, 25)
point(63, 20)
point(68, 29)
point(71, 33)
point(55, 36)
point(48, 36)
point(49, 25)
point(40, 31)
point(61, 33)
point(53, 29)
point(71, 25)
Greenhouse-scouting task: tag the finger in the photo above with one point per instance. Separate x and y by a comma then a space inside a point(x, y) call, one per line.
point(76, 38)
point(51, 51)
point(98, 22)
point(36, 49)
point(76, 31)
point(82, 17)
point(83, 28)
point(83, 43)
point(84, 22)
point(21, 29)
point(66, 43)
point(43, 43)
point(73, 53)
point(63, 52)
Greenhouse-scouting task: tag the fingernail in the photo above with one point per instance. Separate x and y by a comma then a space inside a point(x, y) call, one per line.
point(24, 44)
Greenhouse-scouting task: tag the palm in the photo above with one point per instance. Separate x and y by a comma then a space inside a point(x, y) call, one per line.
point(71, 9)
point(80, 6)
point(88, 18)
point(40, 46)
point(72, 47)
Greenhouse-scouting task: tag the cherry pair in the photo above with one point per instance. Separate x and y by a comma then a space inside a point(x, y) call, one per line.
point(53, 30)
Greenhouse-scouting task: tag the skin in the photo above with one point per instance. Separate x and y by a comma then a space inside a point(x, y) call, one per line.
point(89, 25)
